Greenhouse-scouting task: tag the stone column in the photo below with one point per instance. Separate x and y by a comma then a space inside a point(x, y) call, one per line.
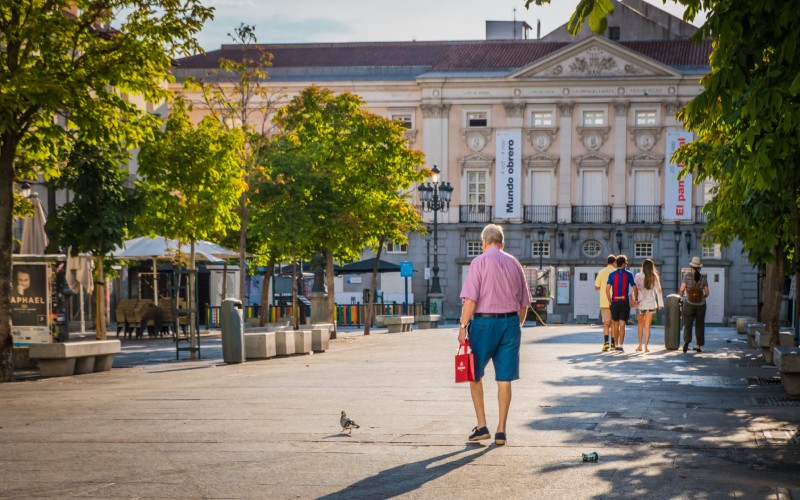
point(619, 186)
point(565, 167)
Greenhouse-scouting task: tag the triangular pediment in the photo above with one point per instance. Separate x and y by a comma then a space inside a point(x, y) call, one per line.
point(592, 58)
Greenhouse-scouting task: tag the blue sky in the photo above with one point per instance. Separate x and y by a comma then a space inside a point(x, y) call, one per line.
point(378, 20)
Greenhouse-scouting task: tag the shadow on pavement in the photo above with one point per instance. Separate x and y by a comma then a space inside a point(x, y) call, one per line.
point(716, 422)
point(408, 477)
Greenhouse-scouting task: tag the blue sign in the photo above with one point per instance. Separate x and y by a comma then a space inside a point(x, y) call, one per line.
point(407, 269)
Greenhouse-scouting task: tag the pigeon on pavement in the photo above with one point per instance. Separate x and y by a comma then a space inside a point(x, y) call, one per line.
point(347, 424)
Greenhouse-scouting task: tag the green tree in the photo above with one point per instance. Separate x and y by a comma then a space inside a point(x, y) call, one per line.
point(238, 95)
point(100, 214)
point(337, 168)
point(193, 180)
point(747, 120)
point(63, 69)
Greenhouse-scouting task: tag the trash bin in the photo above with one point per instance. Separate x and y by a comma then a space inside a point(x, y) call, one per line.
point(232, 323)
point(672, 323)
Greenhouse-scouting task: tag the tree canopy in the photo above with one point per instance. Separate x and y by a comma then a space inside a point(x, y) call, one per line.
point(64, 69)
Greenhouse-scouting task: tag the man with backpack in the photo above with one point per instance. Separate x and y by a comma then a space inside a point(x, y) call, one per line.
point(618, 287)
point(694, 290)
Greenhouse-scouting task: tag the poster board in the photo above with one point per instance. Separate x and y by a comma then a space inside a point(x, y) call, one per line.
point(30, 303)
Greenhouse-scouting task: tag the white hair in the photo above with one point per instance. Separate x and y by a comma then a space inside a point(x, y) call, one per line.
point(492, 234)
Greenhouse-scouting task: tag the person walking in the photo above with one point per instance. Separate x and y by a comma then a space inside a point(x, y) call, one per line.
point(496, 299)
point(694, 290)
point(618, 287)
point(648, 285)
point(605, 313)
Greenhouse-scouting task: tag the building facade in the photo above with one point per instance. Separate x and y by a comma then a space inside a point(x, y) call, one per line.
point(591, 122)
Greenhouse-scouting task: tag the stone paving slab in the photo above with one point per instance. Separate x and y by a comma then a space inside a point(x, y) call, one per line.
point(665, 424)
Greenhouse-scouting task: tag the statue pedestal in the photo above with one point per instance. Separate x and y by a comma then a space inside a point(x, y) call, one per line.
point(319, 307)
point(436, 300)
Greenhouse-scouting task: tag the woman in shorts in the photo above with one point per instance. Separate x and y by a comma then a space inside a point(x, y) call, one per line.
point(650, 299)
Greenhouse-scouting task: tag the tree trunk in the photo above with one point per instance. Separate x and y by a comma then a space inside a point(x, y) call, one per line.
point(373, 292)
point(100, 300)
point(796, 309)
point(243, 249)
point(773, 293)
point(262, 317)
point(190, 293)
point(7, 153)
point(329, 282)
point(295, 311)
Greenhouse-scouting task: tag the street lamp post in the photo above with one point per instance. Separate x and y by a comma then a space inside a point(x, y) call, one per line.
point(677, 259)
point(435, 197)
point(541, 233)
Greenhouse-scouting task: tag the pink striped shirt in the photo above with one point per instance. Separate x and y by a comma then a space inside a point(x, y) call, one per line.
point(496, 282)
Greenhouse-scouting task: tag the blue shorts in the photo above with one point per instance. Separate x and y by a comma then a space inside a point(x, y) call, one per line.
point(496, 339)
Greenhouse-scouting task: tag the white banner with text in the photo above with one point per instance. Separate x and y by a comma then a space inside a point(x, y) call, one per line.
point(677, 192)
point(508, 185)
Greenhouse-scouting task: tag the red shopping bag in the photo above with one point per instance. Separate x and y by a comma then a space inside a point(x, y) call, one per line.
point(465, 363)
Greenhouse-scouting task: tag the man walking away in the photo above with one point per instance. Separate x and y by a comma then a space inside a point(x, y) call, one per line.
point(605, 312)
point(618, 289)
point(496, 299)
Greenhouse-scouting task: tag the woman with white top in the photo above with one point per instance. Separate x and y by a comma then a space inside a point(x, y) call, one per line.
point(650, 299)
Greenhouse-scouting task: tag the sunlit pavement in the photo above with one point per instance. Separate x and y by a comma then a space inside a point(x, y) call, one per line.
point(665, 424)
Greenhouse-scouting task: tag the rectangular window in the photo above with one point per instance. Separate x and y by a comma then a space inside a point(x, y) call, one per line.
point(540, 248)
point(542, 119)
point(393, 248)
point(594, 118)
point(645, 118)
point(613, 32)
point(476, 188)
point(474, 248)
point(712, 251)
point(406, 120)
point(643, 250)
point(477, 119)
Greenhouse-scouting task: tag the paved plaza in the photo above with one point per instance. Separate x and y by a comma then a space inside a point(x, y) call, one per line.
point(665, 424)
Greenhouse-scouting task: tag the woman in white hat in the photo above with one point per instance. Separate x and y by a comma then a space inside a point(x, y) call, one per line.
point(694, 290)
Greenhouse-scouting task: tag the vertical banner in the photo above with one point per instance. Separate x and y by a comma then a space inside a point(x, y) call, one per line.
point(562, 285)
point(30, 304)
point(677, 192)
point(508, 184)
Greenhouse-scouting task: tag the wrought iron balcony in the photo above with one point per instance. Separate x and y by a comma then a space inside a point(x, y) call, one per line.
point(699, 216)
point(644, 214)
point(475, 213)
point(540, 214)
point(591, 214)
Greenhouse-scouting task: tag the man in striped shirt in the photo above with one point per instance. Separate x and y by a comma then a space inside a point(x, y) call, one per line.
point(618, 287)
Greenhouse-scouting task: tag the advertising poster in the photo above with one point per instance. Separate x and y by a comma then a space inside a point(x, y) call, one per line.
point(677, 192)
point(562, 285)
point(508, 186)
point(30, 304)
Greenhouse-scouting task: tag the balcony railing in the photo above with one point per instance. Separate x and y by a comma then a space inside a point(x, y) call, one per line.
point(540, 214)
point(644, 214)
point(475, 213)
point(591, 214)
point(699, 216)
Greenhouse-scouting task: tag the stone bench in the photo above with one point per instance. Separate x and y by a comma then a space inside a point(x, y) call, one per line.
point(427, 321)
point(397, 324)
point(787, 360)
point(741, 323)
point(786, 339)
point(259, 345)
point(762, 342)
point(320, 339)
point(284, 342)
point(380, 319)
point(752, 329)
point(302, 341)
point(74, 358)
